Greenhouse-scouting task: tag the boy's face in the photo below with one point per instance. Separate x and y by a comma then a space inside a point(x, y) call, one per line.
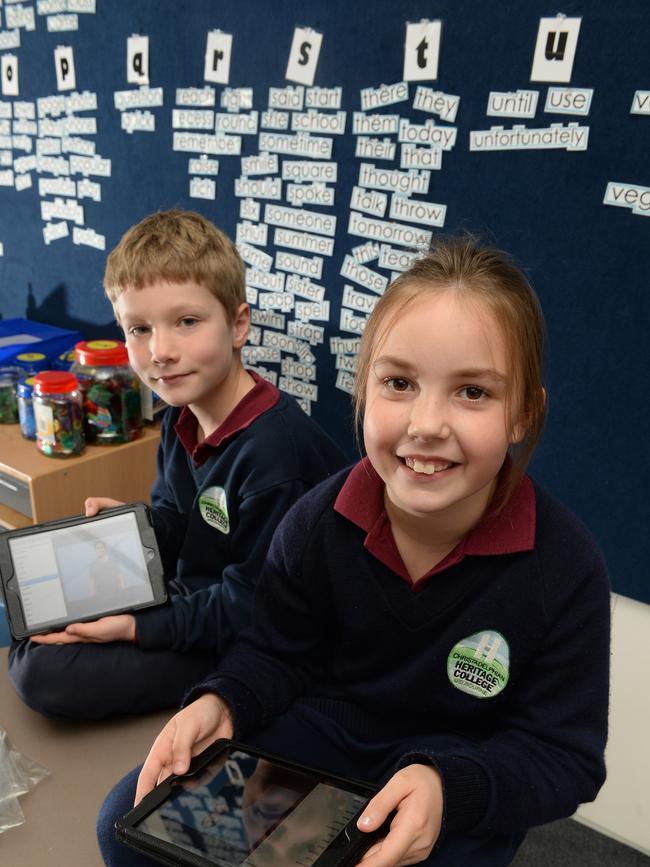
point(180, 342)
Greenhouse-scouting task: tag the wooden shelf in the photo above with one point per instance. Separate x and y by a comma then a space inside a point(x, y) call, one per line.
point(57, 487)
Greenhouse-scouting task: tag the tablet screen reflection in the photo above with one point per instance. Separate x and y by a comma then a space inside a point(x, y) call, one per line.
point(247, 812)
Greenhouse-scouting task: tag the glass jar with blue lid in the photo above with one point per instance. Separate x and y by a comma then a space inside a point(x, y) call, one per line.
point(31, 362)
point(24, 392)
point(65, 360)
point(9, 377)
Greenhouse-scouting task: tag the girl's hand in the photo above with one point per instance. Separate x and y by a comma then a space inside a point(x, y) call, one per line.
point(95, 504)
point(415, 793)
point(115, 627)
point(185, 735)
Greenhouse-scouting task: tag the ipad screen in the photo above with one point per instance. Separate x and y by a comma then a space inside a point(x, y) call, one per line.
point(245, 811)
point(80, 571)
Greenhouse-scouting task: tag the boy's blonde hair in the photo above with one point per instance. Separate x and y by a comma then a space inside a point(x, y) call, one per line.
point(177, 246)
point(476, 273)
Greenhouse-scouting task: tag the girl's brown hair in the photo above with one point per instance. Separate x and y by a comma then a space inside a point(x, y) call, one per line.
point(479, 273)
point(177, 246)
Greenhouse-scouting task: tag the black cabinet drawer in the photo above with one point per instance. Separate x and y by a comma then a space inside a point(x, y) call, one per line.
point(15, 494)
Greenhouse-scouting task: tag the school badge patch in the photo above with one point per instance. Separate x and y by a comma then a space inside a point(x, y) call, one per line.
point(214, 509)
point(479, 664)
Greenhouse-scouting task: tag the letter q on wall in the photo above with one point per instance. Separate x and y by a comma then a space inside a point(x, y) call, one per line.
point(137, 60)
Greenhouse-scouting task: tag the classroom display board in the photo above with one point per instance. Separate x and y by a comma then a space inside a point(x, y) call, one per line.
point(332, 140)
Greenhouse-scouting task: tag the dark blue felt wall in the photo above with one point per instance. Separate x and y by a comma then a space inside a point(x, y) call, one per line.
point(587, 260)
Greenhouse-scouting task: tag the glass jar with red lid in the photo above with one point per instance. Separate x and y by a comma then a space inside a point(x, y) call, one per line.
point(58, 414)
point(110, 391)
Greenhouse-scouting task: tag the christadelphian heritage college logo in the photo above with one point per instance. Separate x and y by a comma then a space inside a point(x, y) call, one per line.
point(214, 508)
point(479, 664)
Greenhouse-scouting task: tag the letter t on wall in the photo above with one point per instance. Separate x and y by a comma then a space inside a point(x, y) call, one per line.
point(421, 51)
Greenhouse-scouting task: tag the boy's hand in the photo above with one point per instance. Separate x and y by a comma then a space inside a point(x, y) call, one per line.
point(94, 504)
point(185, 735)
point(116, 627)
point(415, 792)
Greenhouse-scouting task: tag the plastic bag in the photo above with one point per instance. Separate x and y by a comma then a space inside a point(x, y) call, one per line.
point(18, 774)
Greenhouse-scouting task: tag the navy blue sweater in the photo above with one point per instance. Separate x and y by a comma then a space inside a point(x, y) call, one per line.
point(215, 513)
point(505, 657)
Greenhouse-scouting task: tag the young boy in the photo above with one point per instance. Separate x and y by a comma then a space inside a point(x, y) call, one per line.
point(234, 455)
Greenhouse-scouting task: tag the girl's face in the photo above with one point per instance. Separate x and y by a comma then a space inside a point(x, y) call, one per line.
point(435, 424)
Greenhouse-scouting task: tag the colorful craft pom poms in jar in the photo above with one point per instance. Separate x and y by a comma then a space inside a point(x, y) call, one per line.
point(58, 414)
point(110, 390)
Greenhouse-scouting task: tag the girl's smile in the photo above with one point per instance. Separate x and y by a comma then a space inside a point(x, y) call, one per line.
point(427, 466)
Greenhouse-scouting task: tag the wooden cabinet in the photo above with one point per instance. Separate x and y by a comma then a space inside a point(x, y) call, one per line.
point(35, 488)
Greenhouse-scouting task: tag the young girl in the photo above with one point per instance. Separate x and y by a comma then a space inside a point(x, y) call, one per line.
point(430, 619)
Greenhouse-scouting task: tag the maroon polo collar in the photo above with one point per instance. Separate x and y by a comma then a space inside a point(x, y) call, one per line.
point(361, 500)
point(261, 397)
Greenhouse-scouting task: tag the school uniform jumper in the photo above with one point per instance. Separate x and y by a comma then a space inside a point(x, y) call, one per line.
point(215, 506)
point(493, 668)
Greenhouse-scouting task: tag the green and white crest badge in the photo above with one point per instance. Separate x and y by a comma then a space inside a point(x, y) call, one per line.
point(479, 664)
point(214, 509)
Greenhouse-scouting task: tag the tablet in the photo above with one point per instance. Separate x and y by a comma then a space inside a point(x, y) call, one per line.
point(242, 807)
point(75, 569)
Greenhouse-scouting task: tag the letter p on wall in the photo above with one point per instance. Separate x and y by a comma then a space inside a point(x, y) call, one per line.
point(64, 65)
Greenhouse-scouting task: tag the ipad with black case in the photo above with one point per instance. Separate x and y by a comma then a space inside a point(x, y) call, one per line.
point(79, 568)
point(241, 807)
